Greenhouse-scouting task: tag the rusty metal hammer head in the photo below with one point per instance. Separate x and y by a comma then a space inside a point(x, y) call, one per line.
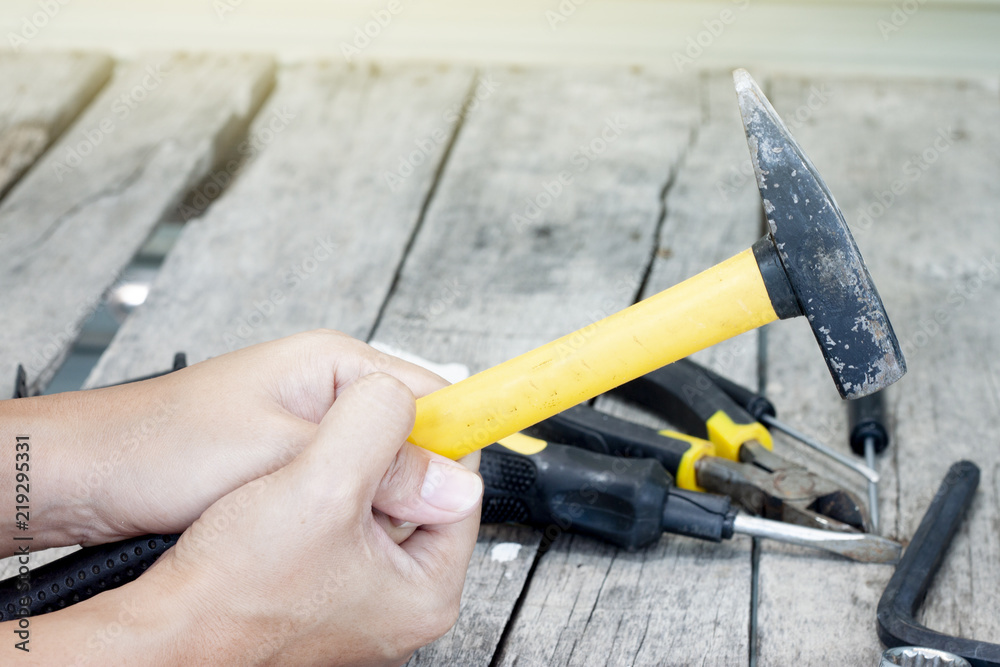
point(809, 260)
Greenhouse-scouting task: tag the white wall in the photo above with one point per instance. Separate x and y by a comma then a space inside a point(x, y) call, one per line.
point(907, 36)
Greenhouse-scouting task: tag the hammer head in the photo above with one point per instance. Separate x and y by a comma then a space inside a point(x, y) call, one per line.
point(820, 259)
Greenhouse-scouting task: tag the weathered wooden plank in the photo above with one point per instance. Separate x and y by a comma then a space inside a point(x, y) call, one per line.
point(932, 248)
point(311, 233)
point(681, 601)
point(544, 220)
point(78, 217)
point(41, 93)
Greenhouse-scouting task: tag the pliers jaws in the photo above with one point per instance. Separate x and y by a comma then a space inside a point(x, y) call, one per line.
point(770, 486)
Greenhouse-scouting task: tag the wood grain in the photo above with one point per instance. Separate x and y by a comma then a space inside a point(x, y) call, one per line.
point(932, 248)
point(79, 216)
point(530, 257)
point(365, 203)
point(311, 234)
point(682, 601)
point(42, 93)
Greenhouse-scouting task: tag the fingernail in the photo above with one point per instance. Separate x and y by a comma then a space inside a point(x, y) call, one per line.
point(399, 523)
point(451, 487)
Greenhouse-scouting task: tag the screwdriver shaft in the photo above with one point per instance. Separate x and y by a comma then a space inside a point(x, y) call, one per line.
point(863, 547)
point(867, 471)
point(872, 486)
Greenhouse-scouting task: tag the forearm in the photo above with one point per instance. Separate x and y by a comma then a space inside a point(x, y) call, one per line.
point(58, 456)
point(140, 623)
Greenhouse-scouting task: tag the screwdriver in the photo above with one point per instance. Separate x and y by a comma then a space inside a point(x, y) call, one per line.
point(760, 482)
point(631, 502)
point(763, 410)
point(869, 436)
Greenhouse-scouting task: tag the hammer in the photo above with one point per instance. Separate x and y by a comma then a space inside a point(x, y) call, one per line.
point(807, 264)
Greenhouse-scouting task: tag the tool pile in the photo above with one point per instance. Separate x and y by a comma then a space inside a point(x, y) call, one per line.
point(600, 475)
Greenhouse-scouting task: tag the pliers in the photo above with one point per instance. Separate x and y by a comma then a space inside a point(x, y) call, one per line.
point(723, 449)
point(585, 471)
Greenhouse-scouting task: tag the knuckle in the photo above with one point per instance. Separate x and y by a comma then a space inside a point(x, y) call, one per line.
point(437, 613)
point(392, 392)
point(319, 340)
point(441, 617)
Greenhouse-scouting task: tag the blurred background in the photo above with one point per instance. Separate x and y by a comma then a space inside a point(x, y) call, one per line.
point(941, 36)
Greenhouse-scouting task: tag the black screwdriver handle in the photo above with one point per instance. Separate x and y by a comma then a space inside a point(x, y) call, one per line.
point(685, 396)
point(867, 419)
point(627, 502)
point(80, 576)
point(756, 404)
point(582, 426)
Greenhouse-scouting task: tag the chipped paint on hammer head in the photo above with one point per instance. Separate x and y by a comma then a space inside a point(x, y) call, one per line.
point(818, 253)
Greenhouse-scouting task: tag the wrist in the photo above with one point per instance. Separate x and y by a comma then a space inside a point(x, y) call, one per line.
point(142, 621)
point(75, 447)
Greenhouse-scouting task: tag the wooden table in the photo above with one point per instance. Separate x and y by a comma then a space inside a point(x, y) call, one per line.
point(469, 215)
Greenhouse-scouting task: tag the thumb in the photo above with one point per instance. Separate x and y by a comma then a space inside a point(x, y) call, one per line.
point(362, 443)
point(360, 435)
point(426, 488)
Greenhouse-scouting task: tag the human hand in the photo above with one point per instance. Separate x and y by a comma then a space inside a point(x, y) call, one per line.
point(298, 567)
point(150, 457)
point(329, 583)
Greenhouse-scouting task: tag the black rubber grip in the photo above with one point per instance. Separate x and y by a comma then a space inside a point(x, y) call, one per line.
point(755, 404)
point(627, 502)
point(614, 499)
point(80, 575)
point(867, 419)
point(705, 516)
point(905, 593)
point(584, 427)
point(684, 395)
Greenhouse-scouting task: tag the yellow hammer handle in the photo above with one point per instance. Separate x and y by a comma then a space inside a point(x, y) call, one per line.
point(726, 300)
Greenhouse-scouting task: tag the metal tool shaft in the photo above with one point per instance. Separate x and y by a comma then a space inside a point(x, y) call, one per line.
point(862, 547)
point(872, 484)
point(865, 470)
